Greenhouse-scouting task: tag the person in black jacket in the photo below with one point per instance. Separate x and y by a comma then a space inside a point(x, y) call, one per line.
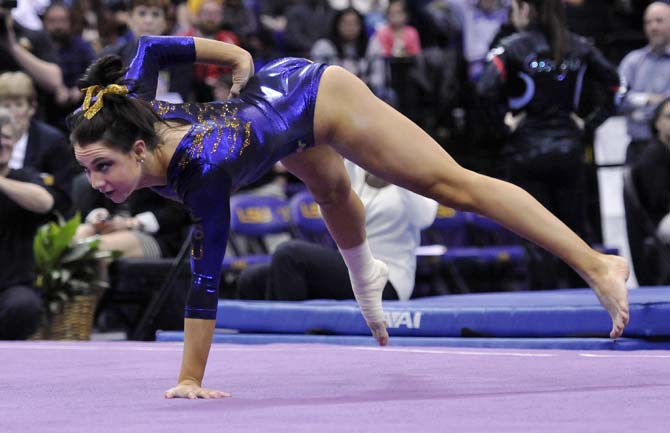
point(539, 76)
point(24, 206)
point(38, 146)
point(651, 172)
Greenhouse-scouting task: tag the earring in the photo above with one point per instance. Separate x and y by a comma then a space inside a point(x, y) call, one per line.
point(141, 161)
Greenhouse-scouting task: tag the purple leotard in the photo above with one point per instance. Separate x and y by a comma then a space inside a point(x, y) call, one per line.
point(229, 144)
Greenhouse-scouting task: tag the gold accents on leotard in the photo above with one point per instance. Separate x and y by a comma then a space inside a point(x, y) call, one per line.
point(220, 119)
point(247, 137)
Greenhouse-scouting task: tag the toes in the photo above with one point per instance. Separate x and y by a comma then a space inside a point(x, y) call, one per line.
point(616, 332)
point(617, 329)
point(625, 318)
point(379, 332)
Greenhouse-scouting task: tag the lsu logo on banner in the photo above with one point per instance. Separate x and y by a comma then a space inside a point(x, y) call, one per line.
point(310, 211)
point(254, 215)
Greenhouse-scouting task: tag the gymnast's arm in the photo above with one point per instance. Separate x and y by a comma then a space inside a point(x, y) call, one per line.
point(221, 53)
point(210, 209)
point(158, 52)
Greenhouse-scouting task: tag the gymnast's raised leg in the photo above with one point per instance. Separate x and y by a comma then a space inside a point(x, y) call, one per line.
point(370, 133)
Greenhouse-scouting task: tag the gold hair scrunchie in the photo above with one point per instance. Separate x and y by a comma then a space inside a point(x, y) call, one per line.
point(92, 110)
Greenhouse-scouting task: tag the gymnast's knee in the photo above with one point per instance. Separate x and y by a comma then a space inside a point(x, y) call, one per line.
point(334, 192)
point(460, 194)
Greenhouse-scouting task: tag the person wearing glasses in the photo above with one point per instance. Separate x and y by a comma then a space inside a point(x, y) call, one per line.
point(25, 204)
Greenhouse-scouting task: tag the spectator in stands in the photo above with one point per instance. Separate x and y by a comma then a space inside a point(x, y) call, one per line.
point(480, 21)
point(111, 23)
point(39, 146)
point(544, 152)
point(146, 17)
point(74, 54)
point(397, 38)
point(24, 205)
point(28, 13)
point(441, 40)
point(651, 172)
point(644, 73)
point(240, 20)
point(306, 22)
point(89, 16)
point(347, 46)
point(399, 44)
point(272, 15)
point(394, 218)
point(146, 225)
point(149, 17)
point(210, 79)
point(374, 11)
point(29, 51)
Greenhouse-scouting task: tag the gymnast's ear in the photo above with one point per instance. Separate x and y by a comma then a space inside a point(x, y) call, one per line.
point(139, 150)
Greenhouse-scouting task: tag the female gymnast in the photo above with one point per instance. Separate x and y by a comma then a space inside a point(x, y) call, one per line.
point(308, 116)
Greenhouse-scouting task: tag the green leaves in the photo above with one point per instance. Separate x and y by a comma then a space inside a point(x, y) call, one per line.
point(66, 268)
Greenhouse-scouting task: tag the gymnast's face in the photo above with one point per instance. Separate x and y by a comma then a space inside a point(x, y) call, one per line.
point(114, 173)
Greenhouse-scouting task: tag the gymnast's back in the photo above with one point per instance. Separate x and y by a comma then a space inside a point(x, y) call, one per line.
point(272, 118)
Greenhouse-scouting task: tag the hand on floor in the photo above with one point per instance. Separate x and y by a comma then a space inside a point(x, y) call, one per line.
point(192, 390)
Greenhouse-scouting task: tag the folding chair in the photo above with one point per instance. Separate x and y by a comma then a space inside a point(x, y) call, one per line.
point(252, 219)
point(306, 220)
point(443, 244)
point(507, 256)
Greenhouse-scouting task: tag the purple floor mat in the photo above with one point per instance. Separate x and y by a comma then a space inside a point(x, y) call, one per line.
point(102, 387)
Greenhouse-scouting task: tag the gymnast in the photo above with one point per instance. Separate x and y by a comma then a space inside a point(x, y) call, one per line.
point(308, 116)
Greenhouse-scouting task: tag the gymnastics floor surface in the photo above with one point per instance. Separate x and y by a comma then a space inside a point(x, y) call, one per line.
point(100, 387)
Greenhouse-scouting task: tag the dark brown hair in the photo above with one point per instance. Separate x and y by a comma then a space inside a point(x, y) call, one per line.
point(657, 113)
point(122, 120)
point(550, 18)
point(162, 4)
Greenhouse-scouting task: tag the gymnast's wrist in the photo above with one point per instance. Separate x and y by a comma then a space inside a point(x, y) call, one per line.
point(189, 381)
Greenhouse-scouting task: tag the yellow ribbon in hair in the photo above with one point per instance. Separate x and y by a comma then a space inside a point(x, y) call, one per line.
point(92, 110)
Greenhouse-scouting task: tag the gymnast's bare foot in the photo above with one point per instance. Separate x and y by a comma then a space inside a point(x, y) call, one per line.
point(191, 390)
point(609, 285)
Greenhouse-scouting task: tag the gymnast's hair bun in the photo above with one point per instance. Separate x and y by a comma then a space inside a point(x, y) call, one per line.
point(103, 72)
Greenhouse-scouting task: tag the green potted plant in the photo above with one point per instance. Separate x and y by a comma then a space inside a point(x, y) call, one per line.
point(68, 273)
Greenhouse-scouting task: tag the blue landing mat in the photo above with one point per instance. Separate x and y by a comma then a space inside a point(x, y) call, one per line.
point(499, 343)
point(540, 314)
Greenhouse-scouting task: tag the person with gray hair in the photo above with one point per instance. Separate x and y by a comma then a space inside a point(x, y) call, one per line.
point(644, 72)
point(25, 205)
point(38, 145)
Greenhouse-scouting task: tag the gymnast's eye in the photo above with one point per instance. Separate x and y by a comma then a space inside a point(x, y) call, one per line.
point(103, 167)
